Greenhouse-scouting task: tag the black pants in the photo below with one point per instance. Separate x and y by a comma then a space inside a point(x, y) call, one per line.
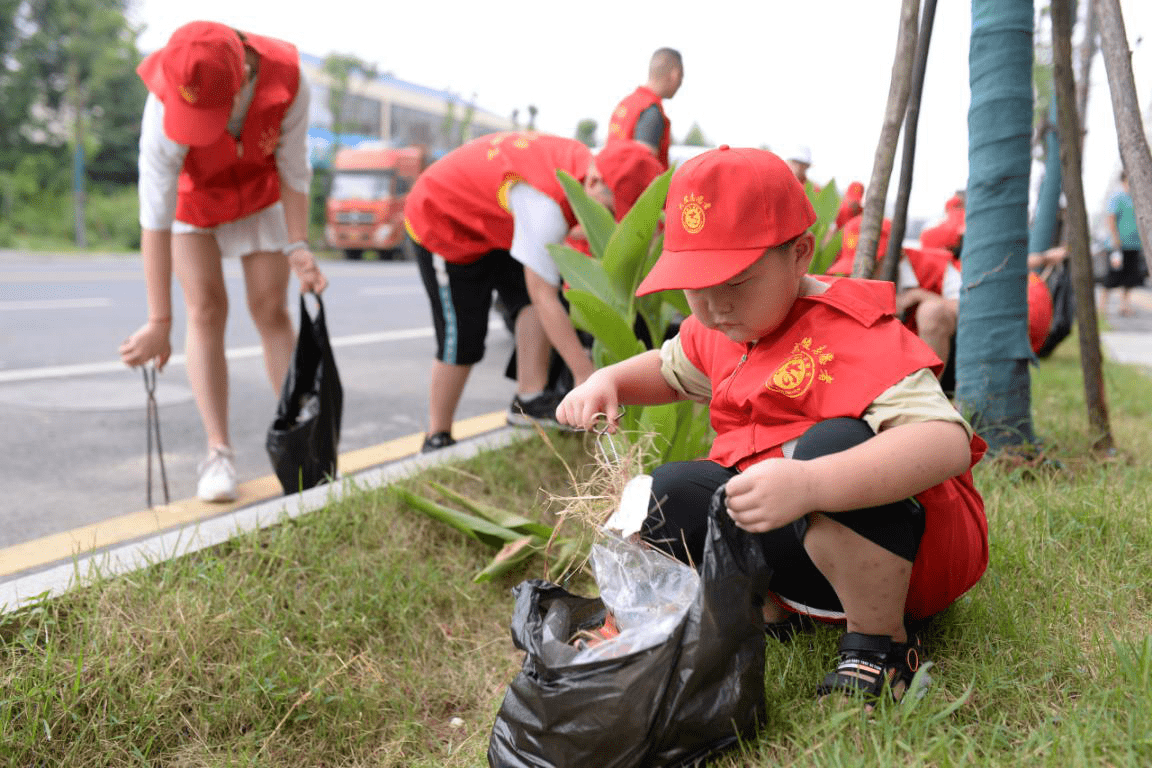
point(677, 521)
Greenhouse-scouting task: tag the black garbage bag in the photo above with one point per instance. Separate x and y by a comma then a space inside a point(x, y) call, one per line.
point(302, 441)
point(694, 693)
point(1059, 282)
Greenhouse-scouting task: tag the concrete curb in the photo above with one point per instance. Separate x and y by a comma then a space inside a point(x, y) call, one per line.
point(56, 579)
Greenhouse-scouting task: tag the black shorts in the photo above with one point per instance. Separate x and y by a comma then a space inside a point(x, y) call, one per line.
point(461, 299)
point(1131, 272)
point(678, 520)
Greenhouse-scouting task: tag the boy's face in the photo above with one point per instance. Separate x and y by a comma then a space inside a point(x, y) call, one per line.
point(754, 302)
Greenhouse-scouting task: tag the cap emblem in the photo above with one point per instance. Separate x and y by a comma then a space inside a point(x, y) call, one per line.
point(189, 93)
point(692, 210)
point(805, 365)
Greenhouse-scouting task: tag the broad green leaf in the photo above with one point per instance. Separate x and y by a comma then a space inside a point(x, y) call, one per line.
point(627, 249)
point(826, 203)
point(606, 324)
point(475, 527)
point(826, 254)
point(594, 218)
point(512, 554)
point(585, 274)
point(501, 517)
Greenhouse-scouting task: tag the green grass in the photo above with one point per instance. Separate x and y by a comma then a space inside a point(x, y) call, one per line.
point(354, 636)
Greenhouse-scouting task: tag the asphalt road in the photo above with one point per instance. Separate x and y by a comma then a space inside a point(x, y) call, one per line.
point(72, 417)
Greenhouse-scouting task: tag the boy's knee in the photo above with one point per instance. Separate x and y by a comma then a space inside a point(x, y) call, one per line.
point(832, 436)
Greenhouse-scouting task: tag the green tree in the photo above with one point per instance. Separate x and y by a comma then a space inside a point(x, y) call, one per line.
point(586, 132)
point(695, 137)
point(65, 85)
point(340, 68)
point(993, 384)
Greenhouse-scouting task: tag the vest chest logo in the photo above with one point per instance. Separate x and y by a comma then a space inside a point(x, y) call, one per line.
point(269, 140)
point(804, 366)
point(692, 210)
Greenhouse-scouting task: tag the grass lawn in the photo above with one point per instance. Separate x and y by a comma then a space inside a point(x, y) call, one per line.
point(354, 636)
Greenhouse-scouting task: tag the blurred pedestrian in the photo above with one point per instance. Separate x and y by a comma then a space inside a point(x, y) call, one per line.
point(223, 174)
point(480, 220)
point(1126, 267)
point(640, 115)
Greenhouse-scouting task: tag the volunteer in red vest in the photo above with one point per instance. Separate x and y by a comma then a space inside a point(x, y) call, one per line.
point(480, 219)
point(929, 286)
point(640, 115)
point(949, 232)
point(223, 174)
point(835, 446)
point(851, 205)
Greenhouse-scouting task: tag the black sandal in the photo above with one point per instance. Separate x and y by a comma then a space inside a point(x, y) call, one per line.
point(869, 663)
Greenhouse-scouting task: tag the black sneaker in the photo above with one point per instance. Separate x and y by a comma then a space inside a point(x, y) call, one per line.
point(436, 442)
point(539, 410)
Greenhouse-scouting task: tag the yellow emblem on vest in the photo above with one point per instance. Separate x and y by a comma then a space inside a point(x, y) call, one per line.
point(189, 93)
point(502, 193)
point(805, 365)
point(692, 213)
point(851, 238)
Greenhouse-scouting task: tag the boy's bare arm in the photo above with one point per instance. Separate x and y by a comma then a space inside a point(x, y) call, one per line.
point(635, 381)
point(897, 463)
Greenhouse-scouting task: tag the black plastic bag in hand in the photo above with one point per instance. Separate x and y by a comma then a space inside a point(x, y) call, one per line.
point(692, 695)
point(302, 441)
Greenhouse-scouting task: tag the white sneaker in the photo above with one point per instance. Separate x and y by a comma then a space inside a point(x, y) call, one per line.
point(217, 476)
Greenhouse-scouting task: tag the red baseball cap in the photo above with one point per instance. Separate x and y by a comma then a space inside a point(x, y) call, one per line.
point(196, 75)
point(628, 167)
point(855, 191)
point(852, 237)
point(725, 208)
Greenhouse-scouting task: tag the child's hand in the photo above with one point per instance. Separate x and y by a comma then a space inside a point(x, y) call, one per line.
point(769, 495)
point(587, 405)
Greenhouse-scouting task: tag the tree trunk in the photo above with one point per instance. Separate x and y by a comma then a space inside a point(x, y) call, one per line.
point(1043, 234)
point(873, 215)
point(1087, 53)
point(79, 217)
point(1129, 126)
point(993, 386)
point(1079, 249)
point(907, 162)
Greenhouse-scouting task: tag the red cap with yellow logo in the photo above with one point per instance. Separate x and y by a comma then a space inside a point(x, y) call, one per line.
point(628, 167)
point(725, 208)
point(196, 75)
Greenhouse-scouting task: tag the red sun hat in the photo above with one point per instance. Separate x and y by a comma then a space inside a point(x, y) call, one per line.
point(725, 208)
point(196, 75)
point(628, 167)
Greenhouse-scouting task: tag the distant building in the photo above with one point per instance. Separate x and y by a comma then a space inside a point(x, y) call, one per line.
point(391, 111)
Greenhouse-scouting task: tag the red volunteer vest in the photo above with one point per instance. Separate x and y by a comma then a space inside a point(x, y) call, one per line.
point(627, 112)
point(233, 178)
point(458, 207)
point(831, 357)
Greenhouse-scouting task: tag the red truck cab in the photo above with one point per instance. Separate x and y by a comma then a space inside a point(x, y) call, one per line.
point(365, 205)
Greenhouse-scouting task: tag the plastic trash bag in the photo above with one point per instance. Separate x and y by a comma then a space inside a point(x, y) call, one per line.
point(303, 438)
point(683, 680)
point(1059, 282)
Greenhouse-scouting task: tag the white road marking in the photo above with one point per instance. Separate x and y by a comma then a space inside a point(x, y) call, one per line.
point(236, 353)
point(15, 306)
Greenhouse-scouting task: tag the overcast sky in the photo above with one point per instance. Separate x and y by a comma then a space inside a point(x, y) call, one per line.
point(763, 73)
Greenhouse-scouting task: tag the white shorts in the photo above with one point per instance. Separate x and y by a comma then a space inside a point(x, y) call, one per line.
point(265, 230)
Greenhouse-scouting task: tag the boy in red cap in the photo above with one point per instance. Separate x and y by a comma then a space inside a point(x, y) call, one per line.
point(481, 219)
point(834, 442)
point(852, 205)
point(223, 173)
point(640, 115)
